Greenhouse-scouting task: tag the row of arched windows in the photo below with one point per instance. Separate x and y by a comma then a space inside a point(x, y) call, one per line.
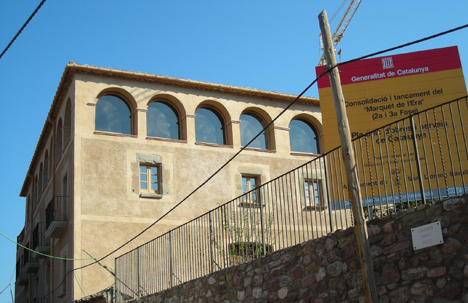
point(113, 114)
point(62, 135)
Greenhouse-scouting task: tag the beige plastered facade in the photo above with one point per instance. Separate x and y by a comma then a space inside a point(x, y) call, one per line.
point(104, 207)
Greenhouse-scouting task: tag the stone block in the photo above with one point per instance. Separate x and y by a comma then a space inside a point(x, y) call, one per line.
point(390, 227)
point(397, 246)
point(390, 274)
point(390, 239)
point(298, 272)
point(373, 230)
point(420, 289)
point(414, 273)
point(452, 204)
point(400, 295)
point(337, 283)
point(414, 218)
point(346, 253)
point(345, 241)
point(434, 211)
point(376, 251)
point(330, 244)
point(436, 272)
point(335, 268)
point(455, 230)
point(451, 291)
point(451, 245)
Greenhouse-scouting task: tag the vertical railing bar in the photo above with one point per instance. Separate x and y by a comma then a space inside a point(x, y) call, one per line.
point(423, 143)
point(363, 173)
point(283, 211)
point(441, 153)
point(409, 161)
point(340, 186)
point(298, 204)
point(387, 196)
point(170, 259)
point(312, 177)
point(327, 188)
point(390, 176)
point(138, 271)
point(371, 183)
point(321, 199)
point(211, 241)
point(337, 168)
point(448, 144)
point(302, 199)
point(403, 164)
point(433, 160)
point(418, 163)
point(291, 221)
point(397, 171)
point(280, 213)
point(456, 146)
point(262, 198)
point(276, 209)
point(291, 204)
point(376, 167)
point(344, 180)
point(336, 191)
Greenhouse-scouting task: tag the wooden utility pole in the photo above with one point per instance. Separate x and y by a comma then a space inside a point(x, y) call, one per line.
point(349, 159)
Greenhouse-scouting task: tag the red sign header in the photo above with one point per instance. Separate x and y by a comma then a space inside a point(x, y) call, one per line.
point(393, 66)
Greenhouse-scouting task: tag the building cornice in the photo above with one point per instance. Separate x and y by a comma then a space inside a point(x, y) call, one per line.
point(186, 83)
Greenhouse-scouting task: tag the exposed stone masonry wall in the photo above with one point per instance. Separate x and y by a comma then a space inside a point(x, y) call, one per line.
point(328, 269)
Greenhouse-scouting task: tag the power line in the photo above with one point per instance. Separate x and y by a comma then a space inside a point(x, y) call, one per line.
point(45, 255)
point(22, 28)
point(327, 70)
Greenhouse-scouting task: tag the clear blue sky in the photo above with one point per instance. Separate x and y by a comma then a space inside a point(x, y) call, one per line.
point(269, 45)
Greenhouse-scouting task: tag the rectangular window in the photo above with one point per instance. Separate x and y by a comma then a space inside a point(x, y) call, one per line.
point(251, 196)
point(150, 179)
point(313, 194)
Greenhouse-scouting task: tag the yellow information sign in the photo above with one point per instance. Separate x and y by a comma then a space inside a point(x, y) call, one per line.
point(380, 91)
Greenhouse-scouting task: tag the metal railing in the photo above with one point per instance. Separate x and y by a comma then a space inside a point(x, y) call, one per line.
point(39, 238)
point(56, 210)
point(413, 161)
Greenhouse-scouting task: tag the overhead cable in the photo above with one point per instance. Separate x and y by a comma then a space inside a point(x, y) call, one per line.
point(21, 29)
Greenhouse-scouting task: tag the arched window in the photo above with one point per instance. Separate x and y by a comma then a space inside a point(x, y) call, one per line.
point(58, 140)
point(46, 166)
point(162, 121)
point(51, 160)
point(67, 123)
point(303, 137)
point(113, 115)
point(41, 178)
point(35, 193)
point(250, 126)
point(209, 126)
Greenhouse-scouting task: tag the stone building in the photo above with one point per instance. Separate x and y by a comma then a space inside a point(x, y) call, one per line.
point(120, 148)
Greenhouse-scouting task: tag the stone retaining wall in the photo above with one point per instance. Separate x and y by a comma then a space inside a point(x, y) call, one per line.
point(328, 269)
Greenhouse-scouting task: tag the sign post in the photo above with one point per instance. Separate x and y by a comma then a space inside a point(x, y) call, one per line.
point(350, 164)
